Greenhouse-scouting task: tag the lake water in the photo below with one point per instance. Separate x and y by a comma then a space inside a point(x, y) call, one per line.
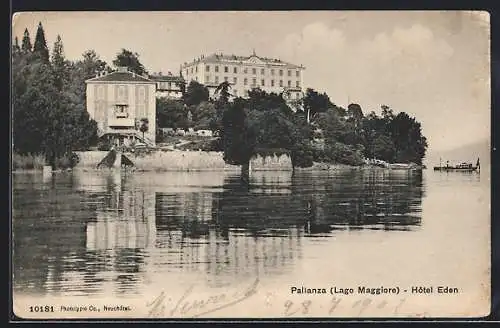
point(106, 234)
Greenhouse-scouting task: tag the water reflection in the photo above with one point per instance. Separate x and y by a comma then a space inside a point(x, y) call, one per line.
point(103, 232)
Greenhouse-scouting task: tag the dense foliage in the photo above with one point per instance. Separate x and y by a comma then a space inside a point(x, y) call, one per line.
point(49, 114)
point(333, 134)
point(312, 129)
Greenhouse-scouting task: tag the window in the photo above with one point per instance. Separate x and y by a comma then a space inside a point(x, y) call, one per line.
point(246, 93)
point(207, 68)
point(216, 69)
point(262, 82)
point(289, 83)
point(207, 79)
point(289, 73)
point(141, 109)
point(121, 111)
point(216, 79)
point(281, 83)
point(191, 70)
point(142, 93)
point(297, 74)
point(121, 92)
point(297, 84)
point(245, 70)
point(272, 71)
point(254, 82)
point(245, 81)
point(281, 72)
point(100, 92)
point(225, 78)
point(261, 71)
point(272, 83)
point(226, 69)
point(235, 70)
point(254, 71)
point(196, 69)
point(170, 85)
point(235, 80)
point(196, 78)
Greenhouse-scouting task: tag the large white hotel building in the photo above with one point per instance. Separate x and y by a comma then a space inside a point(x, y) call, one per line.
point(245, 73)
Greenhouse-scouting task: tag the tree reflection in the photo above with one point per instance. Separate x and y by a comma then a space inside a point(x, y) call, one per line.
point(322, 202)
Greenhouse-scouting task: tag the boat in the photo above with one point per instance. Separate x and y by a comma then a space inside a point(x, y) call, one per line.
point(462, 167)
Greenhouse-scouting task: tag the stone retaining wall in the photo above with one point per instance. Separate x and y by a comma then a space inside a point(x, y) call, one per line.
point(186, 161)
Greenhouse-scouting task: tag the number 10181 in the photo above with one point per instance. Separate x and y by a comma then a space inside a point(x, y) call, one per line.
point(40, 308)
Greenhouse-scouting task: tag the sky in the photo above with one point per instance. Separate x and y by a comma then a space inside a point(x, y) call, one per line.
point(434, 65)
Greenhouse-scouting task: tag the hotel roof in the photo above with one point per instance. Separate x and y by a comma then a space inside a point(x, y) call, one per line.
point(252, 59)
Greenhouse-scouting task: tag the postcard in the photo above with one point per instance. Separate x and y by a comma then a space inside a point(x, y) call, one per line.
point(285, 164)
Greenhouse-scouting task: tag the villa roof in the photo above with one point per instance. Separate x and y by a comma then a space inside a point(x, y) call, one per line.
point(120, 76)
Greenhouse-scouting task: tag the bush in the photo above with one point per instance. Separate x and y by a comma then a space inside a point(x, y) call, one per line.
point(67, 161)
point(339, 153)
point(343, 154)
point(302, 156)
point(103, 145)
point(28, 162)
point(203, 145)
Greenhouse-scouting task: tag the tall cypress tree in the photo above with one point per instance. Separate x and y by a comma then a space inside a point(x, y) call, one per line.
point(59, 64)
point(40, 47)
point(16, 49)
point(26, 43)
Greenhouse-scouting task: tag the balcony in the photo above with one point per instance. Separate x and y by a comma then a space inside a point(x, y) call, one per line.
point(121, 121)
point(120, 117)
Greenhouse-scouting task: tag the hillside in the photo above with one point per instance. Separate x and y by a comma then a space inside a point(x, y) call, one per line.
point(465, 153)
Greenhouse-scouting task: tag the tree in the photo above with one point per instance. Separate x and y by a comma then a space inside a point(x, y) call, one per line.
point(238, 138)
point(144, 126)
point(49, 110)
point(315, 102)
point(91, 64)
point(40, 47)
point(387, 113)
point(33, 98)
point(383, 148)
point(170, 113)
point(406, 133)
point(127, 58)
point(223, 91)
point(195, 94)
point(16, 49)
point(59, 65)
point(355, 114)
point(26, 46)
point(206, 116)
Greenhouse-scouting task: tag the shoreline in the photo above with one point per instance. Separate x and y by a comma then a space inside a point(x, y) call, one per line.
point(317, 167)
point(199, 161)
